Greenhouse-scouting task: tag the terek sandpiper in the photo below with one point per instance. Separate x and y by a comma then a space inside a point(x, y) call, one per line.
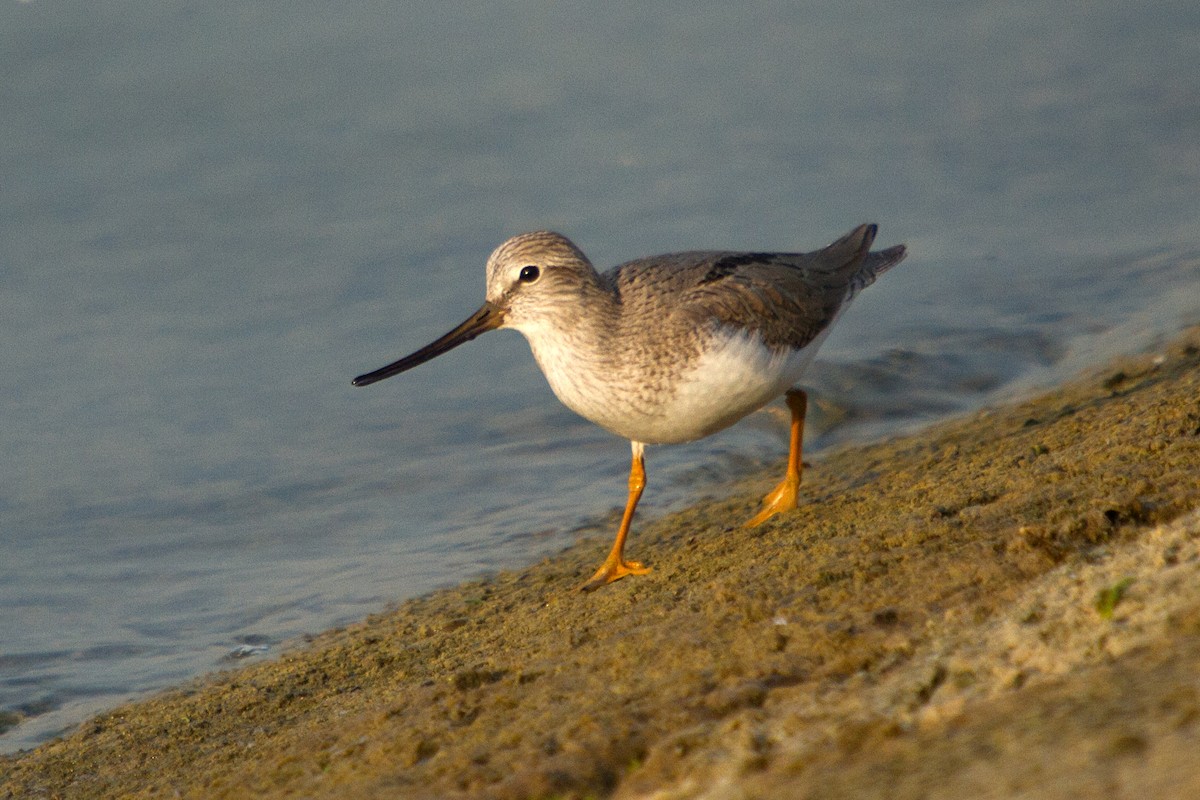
point(669, 348)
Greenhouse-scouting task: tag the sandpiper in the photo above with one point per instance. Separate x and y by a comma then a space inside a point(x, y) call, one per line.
point(669, 348)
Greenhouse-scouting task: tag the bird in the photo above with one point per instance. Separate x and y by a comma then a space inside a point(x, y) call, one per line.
point(669, 348)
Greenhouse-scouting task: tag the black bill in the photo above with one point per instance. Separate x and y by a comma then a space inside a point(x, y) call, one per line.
point(488, 317)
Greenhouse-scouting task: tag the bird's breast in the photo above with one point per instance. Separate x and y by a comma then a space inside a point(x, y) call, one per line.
point(665, 395)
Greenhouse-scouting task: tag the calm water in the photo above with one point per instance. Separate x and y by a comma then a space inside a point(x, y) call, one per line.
point(214, 215)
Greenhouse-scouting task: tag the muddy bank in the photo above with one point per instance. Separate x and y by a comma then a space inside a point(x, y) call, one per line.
point(1003, 605)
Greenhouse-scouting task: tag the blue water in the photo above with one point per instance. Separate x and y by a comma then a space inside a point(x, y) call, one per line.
point(212, 216)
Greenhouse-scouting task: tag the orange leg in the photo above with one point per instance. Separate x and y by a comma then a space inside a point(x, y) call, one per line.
point(783, 497)
point(615, 566)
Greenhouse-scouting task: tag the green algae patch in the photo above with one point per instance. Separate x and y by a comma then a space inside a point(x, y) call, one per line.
point(924, 625)
point(1108, 597)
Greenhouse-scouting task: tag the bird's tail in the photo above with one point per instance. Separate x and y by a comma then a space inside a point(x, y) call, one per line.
point(874, 265)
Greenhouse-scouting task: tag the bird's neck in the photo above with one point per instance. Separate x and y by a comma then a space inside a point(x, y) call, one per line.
point(574, 349)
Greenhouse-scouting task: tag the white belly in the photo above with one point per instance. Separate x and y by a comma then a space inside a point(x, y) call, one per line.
point(736, 375)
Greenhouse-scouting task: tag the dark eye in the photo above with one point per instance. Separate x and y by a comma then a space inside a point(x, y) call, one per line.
point(529, 274)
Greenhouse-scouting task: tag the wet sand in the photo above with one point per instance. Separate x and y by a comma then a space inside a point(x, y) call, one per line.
point(1006, 605)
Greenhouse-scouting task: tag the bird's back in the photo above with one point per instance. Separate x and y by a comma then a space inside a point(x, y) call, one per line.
point(785, 298)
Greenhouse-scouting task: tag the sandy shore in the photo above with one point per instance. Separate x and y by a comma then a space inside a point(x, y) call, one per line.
point(1002, 606)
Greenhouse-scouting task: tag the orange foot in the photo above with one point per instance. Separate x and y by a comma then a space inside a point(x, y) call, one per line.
point(781, 498)
point(613, 570)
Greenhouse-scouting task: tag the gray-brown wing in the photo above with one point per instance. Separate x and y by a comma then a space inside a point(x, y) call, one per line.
point(788, 298)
